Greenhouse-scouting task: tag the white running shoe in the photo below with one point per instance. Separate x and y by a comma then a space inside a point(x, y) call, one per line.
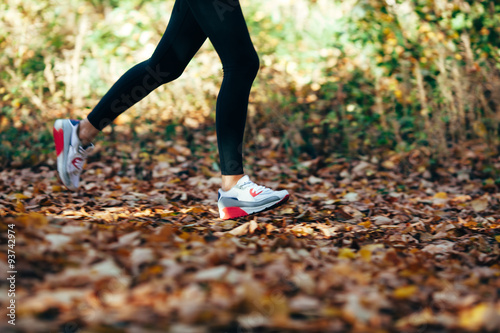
point(71, 155)
point(247, 198)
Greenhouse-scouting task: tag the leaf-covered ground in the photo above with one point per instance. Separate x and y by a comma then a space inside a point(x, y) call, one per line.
point(362, 246)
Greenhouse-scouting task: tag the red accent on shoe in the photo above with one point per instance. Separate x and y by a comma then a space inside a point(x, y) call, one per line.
point(233, 212)
point(76, 161)
point(285, 199)
point(253, 194)
point(58, 140)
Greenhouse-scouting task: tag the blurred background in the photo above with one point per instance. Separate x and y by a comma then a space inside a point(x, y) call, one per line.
point(408, 84)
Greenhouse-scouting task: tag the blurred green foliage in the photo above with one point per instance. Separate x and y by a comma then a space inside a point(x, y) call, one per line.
point(348, 77)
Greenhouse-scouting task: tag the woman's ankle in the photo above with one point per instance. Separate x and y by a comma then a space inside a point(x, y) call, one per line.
point(228, 181)
point(86, 132)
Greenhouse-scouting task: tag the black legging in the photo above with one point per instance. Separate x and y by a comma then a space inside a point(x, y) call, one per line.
point(191, 22)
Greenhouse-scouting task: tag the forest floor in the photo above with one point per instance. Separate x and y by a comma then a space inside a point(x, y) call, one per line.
point(360, 246)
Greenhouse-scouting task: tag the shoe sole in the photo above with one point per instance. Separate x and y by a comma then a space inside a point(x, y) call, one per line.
point(62, 158)
point(235, 212)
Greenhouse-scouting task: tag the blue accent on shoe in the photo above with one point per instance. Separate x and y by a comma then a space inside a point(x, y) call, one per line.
point(74, 122)
point(227, 198)
point(218, 196)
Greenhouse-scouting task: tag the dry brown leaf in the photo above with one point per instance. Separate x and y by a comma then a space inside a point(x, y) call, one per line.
point(480, 204)
point(241, 230)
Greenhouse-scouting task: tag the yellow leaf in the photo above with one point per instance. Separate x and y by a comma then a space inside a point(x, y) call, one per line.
point(164, 215)
point(21, 196)
point(405, 292)
point(302, 231)
point(4, 122)
point(57, 188)
point(286, 211)
point(16, 103)
point(332, 312)
point(228, 224)
point(365, 254)
point(366, 251)
point(489, 182)
point(346, 253)
point(471, 224)
point(206, 171)
point(441, 195)
point(473, 318)
point(185, 235)
point(480, 129)
point(193, 210)
point(34, 219)
point(373, 247)
point(20, 206)
point(365, 224)
point(406, 273)
point(157, 269)
point(389, 164)
point(497, 238)
point(143, 155)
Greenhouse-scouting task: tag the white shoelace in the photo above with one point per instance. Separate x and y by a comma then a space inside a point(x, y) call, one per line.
point(254, 186)
point(83, 152)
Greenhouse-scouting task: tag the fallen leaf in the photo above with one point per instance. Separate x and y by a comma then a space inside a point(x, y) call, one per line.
point(461, 198)
point(140, 256)
point(228, 224)
point(57, 241)
point(213, 273)
point(314, 180)
point(303, 303)
point(405, 292)
point(483, 315)
point(130, 239)
point(441, 195)
point(480, 204)
point(441, 248)
point(287, 211)
point(241, 230)
point(252, 227)
point(381, 220)
point(351, 197)
point(346, 253)
point(367, 224)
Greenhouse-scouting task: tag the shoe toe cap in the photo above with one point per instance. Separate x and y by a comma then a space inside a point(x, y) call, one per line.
point(282, 193)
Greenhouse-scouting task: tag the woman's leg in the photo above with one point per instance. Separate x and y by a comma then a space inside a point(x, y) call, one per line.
point(182, 38)
point(223, 22)
point(180, 42)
